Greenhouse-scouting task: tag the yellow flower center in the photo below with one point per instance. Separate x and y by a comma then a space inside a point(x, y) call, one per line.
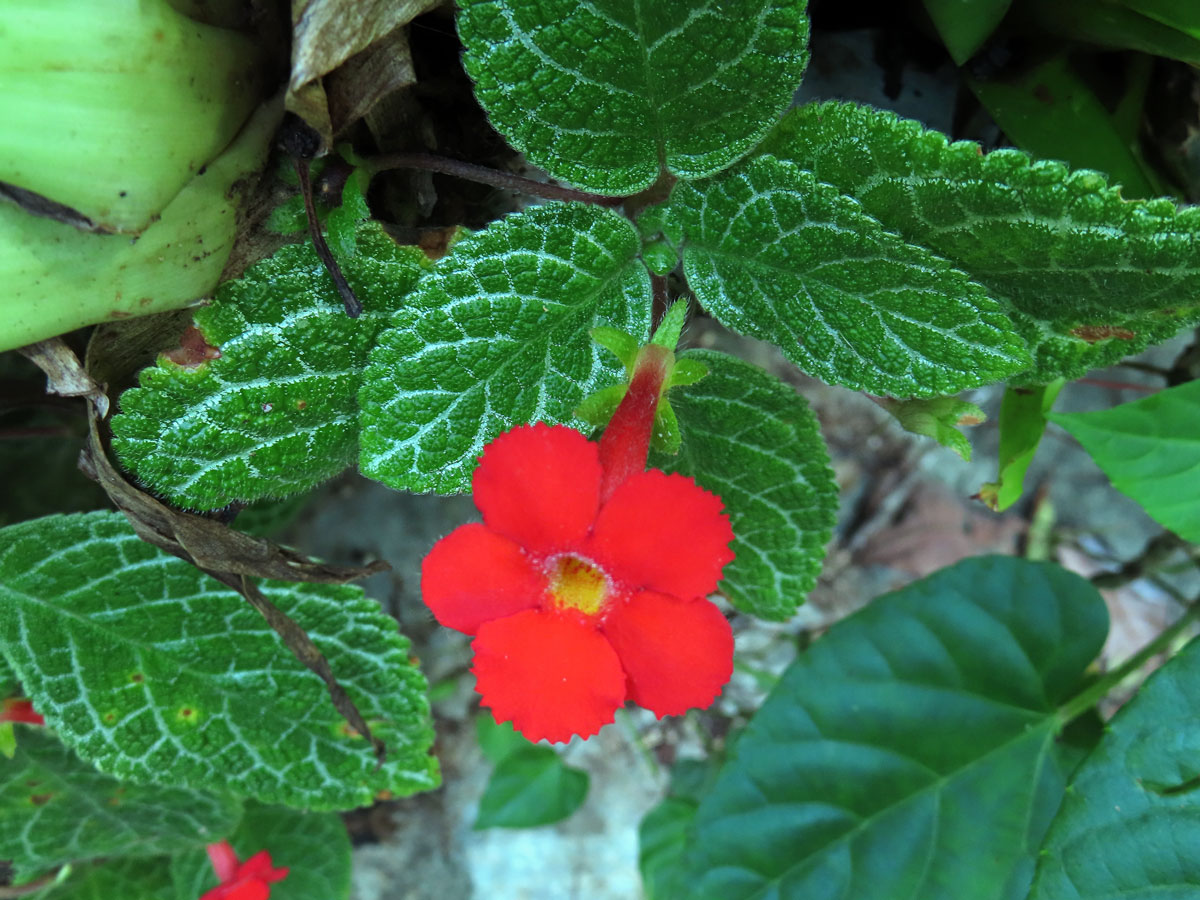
point(577, 584)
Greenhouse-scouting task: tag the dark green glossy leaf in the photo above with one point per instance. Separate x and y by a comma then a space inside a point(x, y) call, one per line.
point(120, 879)
point(1130, 822)
point(773, 253)
point(498, 335)
point(910, 752)
point(753, 441)
point(965, 24)
point(531, 786)
point(603, 94)
point(1150, 449)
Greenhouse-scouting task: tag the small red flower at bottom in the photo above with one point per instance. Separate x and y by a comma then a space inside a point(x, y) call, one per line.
point(579, 602)
point(16, 709)
point(241, 881)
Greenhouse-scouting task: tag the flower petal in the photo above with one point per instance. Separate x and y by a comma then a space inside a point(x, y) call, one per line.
point(540, 486)
point(664, 533)
point(677, 654)
point(473, 575)
point(551, 674)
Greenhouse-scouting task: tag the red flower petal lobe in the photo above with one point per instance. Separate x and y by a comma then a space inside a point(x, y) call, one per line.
point(677, 654)
point(474, 575)
point(663, 533)
point(540, 486)
point(260, 866)
point(550, 674)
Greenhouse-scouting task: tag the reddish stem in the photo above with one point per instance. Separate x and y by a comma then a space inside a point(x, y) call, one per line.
point(626, 441)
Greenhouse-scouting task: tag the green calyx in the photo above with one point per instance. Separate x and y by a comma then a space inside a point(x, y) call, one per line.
point(597, 409)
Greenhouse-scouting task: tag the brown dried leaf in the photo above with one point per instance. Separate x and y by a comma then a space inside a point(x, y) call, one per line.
point(325, 34)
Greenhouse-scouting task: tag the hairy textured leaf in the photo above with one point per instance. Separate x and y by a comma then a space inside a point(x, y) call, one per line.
point(1130, 823)
point(275, 413)
point(775, 254)
point(1022, 423)
point(531, 786)
point(154, 672)
point(752, 440)
point(938, 418)
point(911, 751)
point(121, 879)
point(8, 678)
point(55, 809)
point(1150, 450)
point(314, 847)
point(1091, 277)
point(497, 336)
point(603, 94)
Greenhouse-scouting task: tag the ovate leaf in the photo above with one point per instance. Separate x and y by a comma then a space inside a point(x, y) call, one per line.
point(1150, 450)
point(55, 809)
point(1022, 422)
point(1131, 819)
point(773, 253)
point(911, 751)
point(753, 441)
point(313, 847)
point(1090, 277)
point(496, 336)
point(155, 673)
point(531, 786)
point(938, 418)
point(604, 94)
point(275, 412)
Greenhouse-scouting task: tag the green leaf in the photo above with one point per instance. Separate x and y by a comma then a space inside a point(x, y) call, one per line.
point(773, 253)
point(910, 752)
point(127, 879)
point(1131, 817)
point(313, 847)
point(604, 94)
point(1150, 450)
point(1091, 277)
point(8, 679)
point(498, 335)
point(663, 837)
point(1052, 112)
point(1022, 422)
point(153, 672)
point(531, 786)
point(276, 413)
point(1151, 27)
point(56, 809)
point(497, 739)
point(938, 418)
point(964, 25)
point(752, 440)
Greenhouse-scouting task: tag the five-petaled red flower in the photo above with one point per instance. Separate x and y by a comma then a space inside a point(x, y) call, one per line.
point(579, 602)
point(241, 881)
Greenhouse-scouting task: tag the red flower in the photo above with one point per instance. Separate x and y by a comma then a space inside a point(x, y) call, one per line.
point(241, 881)
point(18, 710)
point(580, 601)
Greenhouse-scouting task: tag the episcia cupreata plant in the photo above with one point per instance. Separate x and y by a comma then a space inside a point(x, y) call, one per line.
point(942, 743)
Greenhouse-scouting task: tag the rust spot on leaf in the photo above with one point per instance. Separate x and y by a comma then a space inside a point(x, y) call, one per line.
point(301, 404)
point(193, 350)
point(1093, 333)
point(40, 799)
point(969, 420)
